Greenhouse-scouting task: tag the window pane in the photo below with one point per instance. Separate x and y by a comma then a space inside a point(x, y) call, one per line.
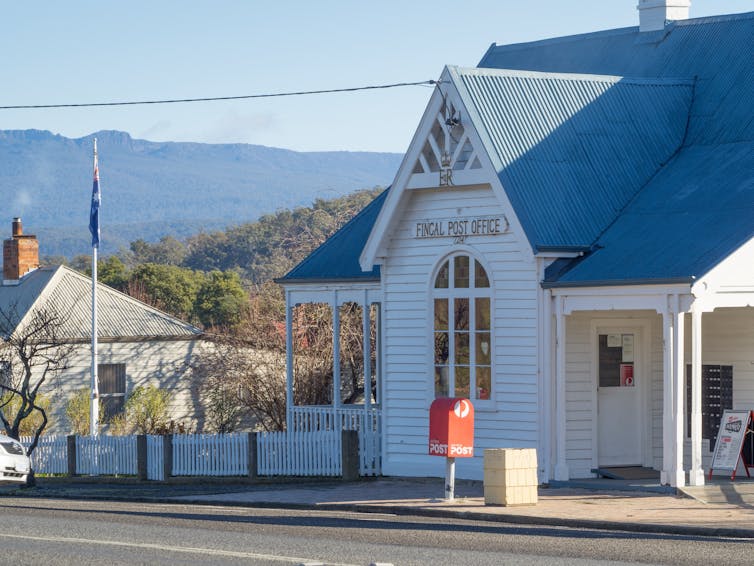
point(442, 279)
point(441, 314)
point(461, 272)
point(462, 348)
point(482, 305)
point(462, 382)
point(441, 381)
point(483, 382)
point(441, 347)
point(480, 276)
point(610, 355)
point(483, 348)
point(111, 378)
point(461, 313)
point(111, 407)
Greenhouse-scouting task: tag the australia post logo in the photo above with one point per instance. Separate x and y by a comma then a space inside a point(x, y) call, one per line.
point(455, 450)
point(451, 428)
point(462, 408)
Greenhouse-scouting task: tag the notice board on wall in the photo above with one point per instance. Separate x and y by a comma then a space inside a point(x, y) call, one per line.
point(734, 426)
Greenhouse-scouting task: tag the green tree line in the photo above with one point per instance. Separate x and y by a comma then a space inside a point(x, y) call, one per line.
point(211, 278)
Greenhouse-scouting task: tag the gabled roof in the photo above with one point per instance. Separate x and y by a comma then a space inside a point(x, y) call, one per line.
point(697, 209)
point(572, 150)
point(695, 213)
point(635, 148)
point(717, 51)
point(338, 257)
point(66, 291)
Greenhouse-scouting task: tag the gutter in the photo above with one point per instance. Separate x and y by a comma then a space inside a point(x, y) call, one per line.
point(688, 280)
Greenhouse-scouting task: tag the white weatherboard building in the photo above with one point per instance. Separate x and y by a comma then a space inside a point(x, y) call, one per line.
point(568, 243)
point(138, 345)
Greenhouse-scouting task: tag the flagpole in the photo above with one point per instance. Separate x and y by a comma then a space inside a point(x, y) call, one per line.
point(94, 404)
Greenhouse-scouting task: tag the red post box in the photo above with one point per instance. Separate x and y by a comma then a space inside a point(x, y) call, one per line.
point(451, 428)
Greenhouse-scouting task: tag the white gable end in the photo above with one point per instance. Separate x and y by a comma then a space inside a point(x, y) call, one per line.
point(731, 282)
point(446, 152)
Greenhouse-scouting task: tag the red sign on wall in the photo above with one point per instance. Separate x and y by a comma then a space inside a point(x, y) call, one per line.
point(627, 375)
point(451, 428)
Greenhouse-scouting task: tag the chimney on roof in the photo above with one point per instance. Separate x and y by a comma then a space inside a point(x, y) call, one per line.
point(654, 14)
point(20, 254)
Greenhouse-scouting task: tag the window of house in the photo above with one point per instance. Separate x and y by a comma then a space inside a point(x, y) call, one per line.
point(111, 381)
point(462, 330)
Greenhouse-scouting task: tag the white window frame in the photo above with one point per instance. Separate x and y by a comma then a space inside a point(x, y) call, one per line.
point(451, 293)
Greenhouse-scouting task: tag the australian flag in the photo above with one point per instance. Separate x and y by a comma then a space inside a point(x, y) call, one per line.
point(96, 199)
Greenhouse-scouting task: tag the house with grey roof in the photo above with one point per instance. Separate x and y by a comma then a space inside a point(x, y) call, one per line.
point(137, 344)
point(568, 243)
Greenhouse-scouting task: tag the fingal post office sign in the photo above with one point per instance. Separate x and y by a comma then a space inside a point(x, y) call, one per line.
point(460, 227)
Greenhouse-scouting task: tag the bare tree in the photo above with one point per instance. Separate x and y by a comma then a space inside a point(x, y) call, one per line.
point(215, 373)
point(34, 351)
point(243, 376)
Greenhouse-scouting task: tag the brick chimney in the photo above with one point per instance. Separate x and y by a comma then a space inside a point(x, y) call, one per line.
point(653, 14)
point(20, 254)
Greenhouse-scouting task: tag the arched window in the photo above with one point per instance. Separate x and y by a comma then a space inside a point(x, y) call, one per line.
point(462, 330)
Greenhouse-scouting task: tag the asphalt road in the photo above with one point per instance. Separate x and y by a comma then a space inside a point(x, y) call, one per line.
point(63, 532)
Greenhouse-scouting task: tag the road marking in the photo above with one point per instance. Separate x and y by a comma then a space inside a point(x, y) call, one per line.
point(184, 549)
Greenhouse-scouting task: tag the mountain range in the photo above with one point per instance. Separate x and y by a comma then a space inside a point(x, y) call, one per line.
point(152, 189)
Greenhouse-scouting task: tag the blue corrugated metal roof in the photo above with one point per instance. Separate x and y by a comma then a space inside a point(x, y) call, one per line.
point(698, 208)
point(584, 158)
point(572, 150)
point(338, 257)
point(693, 215)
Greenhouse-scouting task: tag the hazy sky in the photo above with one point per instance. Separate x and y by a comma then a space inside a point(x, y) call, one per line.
point(80, 51)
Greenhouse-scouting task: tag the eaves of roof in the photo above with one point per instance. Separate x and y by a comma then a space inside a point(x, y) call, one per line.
point(337, 259)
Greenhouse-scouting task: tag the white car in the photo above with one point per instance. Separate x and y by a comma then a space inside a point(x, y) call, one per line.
point(14, 463)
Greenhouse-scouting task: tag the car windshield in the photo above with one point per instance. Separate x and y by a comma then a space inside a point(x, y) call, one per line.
point(12, 447)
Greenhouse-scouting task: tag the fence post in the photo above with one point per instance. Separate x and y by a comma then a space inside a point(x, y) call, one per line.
point(141, 456)
point(71, 452)
point(252, 456)
point(167, 456)
point(350, 455)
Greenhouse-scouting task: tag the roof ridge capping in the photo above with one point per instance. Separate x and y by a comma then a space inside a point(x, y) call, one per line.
point(703, 20)
point(543, 75)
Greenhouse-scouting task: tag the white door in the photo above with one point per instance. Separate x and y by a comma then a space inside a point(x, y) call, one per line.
point(619, 380)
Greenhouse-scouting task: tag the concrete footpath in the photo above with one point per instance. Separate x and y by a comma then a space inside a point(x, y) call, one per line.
point(725, 510)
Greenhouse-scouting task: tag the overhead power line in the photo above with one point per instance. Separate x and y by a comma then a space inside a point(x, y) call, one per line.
point(215, 98)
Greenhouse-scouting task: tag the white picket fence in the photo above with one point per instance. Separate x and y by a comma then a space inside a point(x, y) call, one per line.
point(211, 454)
point(155, 455)
point(106, 455)
point(311, 419)
point(298, 453)
point(50, 454)
point(314, 453)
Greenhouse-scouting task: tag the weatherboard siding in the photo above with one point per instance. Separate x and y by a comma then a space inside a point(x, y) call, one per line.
point(581, 409)
point(160, 363)
point(511, 419)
